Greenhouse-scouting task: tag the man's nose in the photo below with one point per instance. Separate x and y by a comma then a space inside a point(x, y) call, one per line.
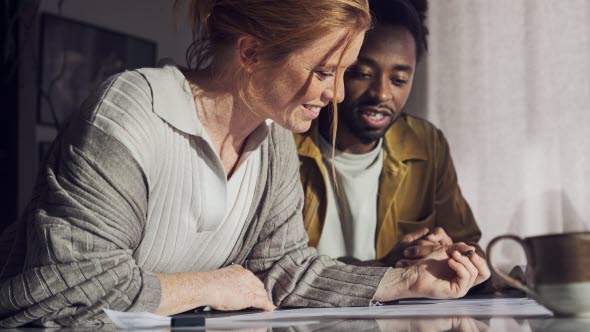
point(381, 89)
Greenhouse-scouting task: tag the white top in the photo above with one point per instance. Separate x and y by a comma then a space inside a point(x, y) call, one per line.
point(192, 206)
point(351, 217)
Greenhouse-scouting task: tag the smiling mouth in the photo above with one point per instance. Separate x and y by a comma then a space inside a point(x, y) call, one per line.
point(375, 113)
point(312, 108)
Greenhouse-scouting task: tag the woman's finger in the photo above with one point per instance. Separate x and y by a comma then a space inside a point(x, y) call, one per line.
point(462, 280)
point(466, 262)
point(482, 268)
point(262, 302)
point(460, 247)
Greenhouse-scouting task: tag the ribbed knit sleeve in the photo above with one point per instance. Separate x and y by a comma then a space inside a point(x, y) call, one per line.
point(293, 272)
point(72, 251)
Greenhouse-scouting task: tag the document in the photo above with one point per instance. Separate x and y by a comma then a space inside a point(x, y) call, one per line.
point(473, 307)
point(145, 321)
point(514, 307)
point(137, 320)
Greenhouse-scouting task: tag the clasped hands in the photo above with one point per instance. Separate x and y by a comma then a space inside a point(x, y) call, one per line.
point(429, 265)
point(415, 246)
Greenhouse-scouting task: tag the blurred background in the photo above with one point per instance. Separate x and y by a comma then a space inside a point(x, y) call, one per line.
point(508, 82)
point(54, 52)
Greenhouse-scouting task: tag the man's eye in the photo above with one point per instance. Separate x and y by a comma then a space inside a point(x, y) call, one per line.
point(322, 75)
point(356, 74)
point(399, 82)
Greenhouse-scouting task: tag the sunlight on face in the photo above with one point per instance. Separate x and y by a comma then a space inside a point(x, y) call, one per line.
point(293, 93)
point(379, 83)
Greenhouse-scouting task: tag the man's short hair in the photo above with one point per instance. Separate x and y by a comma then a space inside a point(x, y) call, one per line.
point(409, 14)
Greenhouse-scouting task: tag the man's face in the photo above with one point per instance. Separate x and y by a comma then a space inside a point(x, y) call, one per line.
point(378, 85)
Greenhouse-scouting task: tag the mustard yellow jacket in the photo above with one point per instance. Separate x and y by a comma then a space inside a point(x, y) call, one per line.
point(417, 186)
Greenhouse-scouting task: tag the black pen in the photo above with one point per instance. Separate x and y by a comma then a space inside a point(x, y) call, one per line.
point(196, 323)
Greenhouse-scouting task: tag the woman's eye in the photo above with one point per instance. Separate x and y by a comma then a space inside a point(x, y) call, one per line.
point(322, 75)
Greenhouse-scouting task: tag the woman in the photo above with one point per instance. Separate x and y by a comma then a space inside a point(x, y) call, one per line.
point(171, 190)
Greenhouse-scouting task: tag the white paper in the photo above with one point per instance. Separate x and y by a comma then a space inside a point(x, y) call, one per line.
point(513, 307)
point(148, 321)
point(137, 320)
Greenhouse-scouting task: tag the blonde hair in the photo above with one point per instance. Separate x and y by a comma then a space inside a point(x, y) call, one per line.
point(281, 26)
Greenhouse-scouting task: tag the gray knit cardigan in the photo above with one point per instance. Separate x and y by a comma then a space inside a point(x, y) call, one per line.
point(72, 252)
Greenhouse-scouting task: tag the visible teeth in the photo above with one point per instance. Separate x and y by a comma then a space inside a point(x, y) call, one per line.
point(376, 116)
point(314, 109)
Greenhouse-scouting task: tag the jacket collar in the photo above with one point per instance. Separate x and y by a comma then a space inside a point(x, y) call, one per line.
point(400, 142)
point(308, 143)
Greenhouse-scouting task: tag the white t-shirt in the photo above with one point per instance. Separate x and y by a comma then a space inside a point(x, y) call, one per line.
point(351, 217)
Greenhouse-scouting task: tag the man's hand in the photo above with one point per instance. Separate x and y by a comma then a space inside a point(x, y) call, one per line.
point(416, 245)
point(424, 246)
point(448, 272)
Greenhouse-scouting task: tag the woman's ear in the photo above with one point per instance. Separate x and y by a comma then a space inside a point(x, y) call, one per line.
point(248, 47)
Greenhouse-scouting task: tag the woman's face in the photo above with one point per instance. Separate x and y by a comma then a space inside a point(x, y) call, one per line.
point(293, 93)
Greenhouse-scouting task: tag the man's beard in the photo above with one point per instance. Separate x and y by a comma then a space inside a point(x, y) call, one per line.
point(351, 119)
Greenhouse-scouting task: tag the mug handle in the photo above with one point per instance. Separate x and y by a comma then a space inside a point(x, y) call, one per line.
point(503, 276)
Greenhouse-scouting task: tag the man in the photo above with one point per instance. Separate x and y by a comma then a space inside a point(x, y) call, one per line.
point(395, 178)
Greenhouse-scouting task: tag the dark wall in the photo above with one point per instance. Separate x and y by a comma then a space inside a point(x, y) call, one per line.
point(9, 122)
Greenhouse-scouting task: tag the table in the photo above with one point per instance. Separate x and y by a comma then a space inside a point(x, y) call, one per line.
point(494, 314)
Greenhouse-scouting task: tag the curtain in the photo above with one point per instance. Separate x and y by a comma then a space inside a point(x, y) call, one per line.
point(508, 82)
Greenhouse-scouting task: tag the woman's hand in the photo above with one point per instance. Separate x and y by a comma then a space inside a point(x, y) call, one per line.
point(234, 288)
point(229, 288)
point(448, 272)
point(445, 273)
